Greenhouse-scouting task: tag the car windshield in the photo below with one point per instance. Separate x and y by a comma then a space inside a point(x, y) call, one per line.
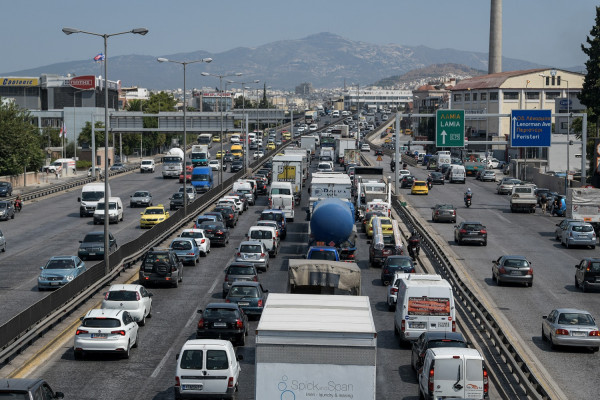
point(141, 194)
point(60, 264)
point(582, 228)
point(240, 270)
point(111, 206)
point(181, 245)
point(177, 196)
point(122, 295)
point(192, 234)
point(146, 162)
point(575, 319)
point(322, 255)
point(243, 291)
point(91, 196)
point(101, 323)
point(154, 211)
point(250, 248)
point(94, 237)
point(3, 184)
point(229, 313)
point(200, 177)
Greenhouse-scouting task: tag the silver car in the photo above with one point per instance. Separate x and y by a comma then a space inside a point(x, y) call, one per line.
point(578, 234)
point(506, 185)
point(191, 192)
point(2, 242)
point(141, 198)
point(571, 327)
point(253, 252)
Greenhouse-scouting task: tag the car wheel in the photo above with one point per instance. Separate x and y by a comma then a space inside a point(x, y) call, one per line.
point(12, 216)
point(583, 287)
point(552, 344)
point(593, 246)
point(544, 338)
point(485, 243)
point(242, 340)
point(595, 349)
point(493, 277)
point(224, 294)
point(391, 307)
point(576, 283)
point(175, 283)
point(142, 322)
point(498, 281)
point(567, 244)
point(396, 331)
point(529, 284)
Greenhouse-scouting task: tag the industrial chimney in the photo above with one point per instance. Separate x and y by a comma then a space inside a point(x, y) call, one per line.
point(495, 56)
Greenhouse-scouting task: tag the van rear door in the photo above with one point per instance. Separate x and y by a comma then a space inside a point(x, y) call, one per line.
point(458, 376)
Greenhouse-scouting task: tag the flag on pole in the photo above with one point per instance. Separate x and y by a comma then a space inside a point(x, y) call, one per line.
point(63, 131)
point(99, 57)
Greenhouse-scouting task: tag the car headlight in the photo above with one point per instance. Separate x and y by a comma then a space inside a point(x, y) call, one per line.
point(41, 278)
point(69, 278)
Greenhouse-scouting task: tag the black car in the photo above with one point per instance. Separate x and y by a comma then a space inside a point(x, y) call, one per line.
point(217, 232)
point(92, 246)
point(217, 214)
point(236, 166)
point(430, 340)
point(395, 264)
point(587, 274)
point(225, 321)
point(407, 181)
point(444, 168)
point(470, 232)
point(230, 215)
point(378, 152)
point(437, 178)
point(161, 266)
point(176, 201)
point(261, 184)
point(6, 189)
point(266, 172)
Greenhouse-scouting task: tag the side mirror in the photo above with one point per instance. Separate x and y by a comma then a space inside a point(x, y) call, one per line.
point(199, 312)
point(141, 213)
point(43, 267)
point(576, 265)
point(266, 290)
point(81, 241)
point(79, 199)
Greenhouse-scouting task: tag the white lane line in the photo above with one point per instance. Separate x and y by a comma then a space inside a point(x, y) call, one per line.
point(212, 288)
point(501, 217)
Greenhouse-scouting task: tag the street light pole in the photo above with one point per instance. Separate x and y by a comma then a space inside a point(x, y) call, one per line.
point(568, 137)
point(184, 63)
point(105, 36)
point(246, 117)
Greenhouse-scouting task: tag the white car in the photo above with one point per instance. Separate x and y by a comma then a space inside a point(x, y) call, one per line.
point(365, 147)
point(202, 241)
point(258, 154)
point(235, 139)
point(191, 192)
point(233, 202)
point(133, 298)
point(300, 129)
point(392, 290)
point(103, 330)
point(215, 165)
point(325, 166)
point(313, 127)
point(402, 173)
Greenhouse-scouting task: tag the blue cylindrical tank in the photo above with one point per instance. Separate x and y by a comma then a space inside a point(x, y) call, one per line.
point(331, 221)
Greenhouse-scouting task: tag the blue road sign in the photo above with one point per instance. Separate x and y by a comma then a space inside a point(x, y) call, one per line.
point(530, 128)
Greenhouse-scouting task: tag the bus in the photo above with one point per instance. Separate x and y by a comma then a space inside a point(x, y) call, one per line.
point(205, 139)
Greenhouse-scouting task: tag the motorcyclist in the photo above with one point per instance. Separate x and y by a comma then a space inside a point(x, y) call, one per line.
point(18, 203)
point(429, 180)
point(413, 241)
point(468, 194)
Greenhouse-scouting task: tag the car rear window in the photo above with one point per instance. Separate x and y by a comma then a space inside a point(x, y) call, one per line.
point(220, 313)
point(582, 228)
point(192, 234)
point(250, 248)
point(181, 245)
point(191, 359)
point(446, 343)
point(260, 234)
point(322, 255)
point(101, 323)
point(122, 295)
point(575, 319)
point(516, 263)
point(243, 291)
point(473, 227)
point(240, 270)
point(60, 264)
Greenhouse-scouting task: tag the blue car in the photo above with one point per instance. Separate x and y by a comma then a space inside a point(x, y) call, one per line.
point(322, 253)
point(277, 216)
point(249, 296)
point(186, 250)
point(59, 271)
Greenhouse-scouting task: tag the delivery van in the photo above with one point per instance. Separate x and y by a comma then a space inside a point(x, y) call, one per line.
point(280, 188)
point(457, 174)
point(91, 193)
point(237, 150)
point(115, 211)
point(267, 235)
point(424, 303)
point(283, 202)
point(451, 372)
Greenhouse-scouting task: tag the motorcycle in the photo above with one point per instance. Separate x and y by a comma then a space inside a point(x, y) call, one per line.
point(224, 167)
point(18, 205)
point(468, 200)
point(414, 247)
point(429, 183)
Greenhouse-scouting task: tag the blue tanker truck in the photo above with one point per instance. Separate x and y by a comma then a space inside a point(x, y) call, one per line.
point(332, 224)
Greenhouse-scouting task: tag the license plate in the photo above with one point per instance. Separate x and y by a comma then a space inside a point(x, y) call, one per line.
point(91, 254)
point(191, 387)
point(417, 325)
point(473, 233)
point(579, 333)
point(515, 272)
point(99, 335)
point(54, 283)
point(243, 303)
point(220, 325)
point(444, 324)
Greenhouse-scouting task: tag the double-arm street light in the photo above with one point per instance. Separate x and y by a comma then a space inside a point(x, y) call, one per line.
point(220, 76)
point(184, 63)
point(244, 113)
point(105, 36)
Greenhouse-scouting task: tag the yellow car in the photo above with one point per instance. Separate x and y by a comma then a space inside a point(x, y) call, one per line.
point(216, 138)
point(386, 226)
point(270, 146)
point(286, 135)
point(419, 187)
point(153, 215)
point(219, 154)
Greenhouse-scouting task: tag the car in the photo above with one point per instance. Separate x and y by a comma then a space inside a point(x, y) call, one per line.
point(92, 246)
point(512, 269)
point(216, 231)
point(6, 189)
point(392, 288)
point(570, 327)
point(135, 299)
point(161, 266)
point(216, 138)
point(325, 166)
point(223, 321)
point(118, 167)
point(227, 158)
point(230, 214)
point(220, 154)
point(2, 242)
point(378, 152)
point(99, 171)
point(140, 198)
point(106, 331)
point(444, 169)
point(443, 212)
point(232, 201)
point(386, 226)
point(407, 181)
point(202, 241)
point(59, 271)
point(238, 271)
point(271, 146)
point(215, 165)
point(18, 388)
point(578, 233)
point(506, 185)
point(419, 187)
point(176, 201)
point(562, 225)
point(469, 232)
point(236, 166)
point(250, 296)
point(433, 339)
point(279, 217)
point(393, 264)
point(365, 147)
point(204, 217)
point(587, 274)
point(186, 249)
point(486, 175)
point(188, 174)
point(245, 203)
point(437, 178)
point(7, 210)
point(235, 139)
point(153, 215)
point(147, 166)
point(253, 252)
point(322, 253)
point(258, 154)
point(190, 190)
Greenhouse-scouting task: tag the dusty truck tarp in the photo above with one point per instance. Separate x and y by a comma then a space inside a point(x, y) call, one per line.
point(323, 277)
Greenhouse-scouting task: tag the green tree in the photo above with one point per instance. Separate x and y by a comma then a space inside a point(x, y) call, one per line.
point(20, 141)
point(590, 93)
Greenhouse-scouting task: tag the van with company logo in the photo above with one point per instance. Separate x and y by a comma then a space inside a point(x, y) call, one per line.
point(425, 303)
point(453, 372)
point(58, 165)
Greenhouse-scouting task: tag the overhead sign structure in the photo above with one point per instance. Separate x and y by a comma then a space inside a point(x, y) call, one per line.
point(84, 82)
point(450, 128)
point(531, 128)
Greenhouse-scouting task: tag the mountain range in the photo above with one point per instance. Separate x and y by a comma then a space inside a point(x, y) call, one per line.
point(324, 59)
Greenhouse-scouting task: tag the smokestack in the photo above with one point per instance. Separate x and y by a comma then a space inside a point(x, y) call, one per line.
point(495, 53)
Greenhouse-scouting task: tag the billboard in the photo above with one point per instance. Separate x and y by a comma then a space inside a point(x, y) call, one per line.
point(19, 81)
point(83, 82)
point(429, 306)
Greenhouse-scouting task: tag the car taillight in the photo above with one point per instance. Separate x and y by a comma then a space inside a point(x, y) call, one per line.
point(430, 381)
point(202, 241)
point(201, 323)
point(231, 216)
point(120, 332)
point(255, 278)
point(260, 302)
point(106, 295)
point(502, 270)
point(403, 326)
point(463, 231)
point(563, 332)
point(394, 290)
point(453, 326)
point(230, 382)
point(177, 381)
point(594, 333)
point(227, 301)
point(437, 213)
point(485, 382)
point(137, 296)
point(239, 324)
point(483, 232)
point(80, 331)
point(219, 232)
point(530, 272)
point(189, 254)
point(262, 255)
point(453, 212)
point(238, 254)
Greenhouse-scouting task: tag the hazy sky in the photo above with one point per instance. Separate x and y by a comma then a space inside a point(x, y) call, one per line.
point(543, 31)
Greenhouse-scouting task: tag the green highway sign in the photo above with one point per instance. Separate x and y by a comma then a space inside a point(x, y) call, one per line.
point(450, 128)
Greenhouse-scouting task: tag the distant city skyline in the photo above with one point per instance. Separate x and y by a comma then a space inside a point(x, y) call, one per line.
point(548, 32)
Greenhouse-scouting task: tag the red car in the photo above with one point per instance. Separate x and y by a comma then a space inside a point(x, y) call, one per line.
point(188, 175)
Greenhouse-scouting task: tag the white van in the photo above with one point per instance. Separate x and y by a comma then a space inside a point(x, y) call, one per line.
point(207, 367)
point(91, 193)
point(280, 188)
point(283, 202)
point(450, 372)
point(245, 188)
point(115, 211)
point(424, 303)
point(335, 114)
point(57, 165)
point(457, 174)
point(267, 235)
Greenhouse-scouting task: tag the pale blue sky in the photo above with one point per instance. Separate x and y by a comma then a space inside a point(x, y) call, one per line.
point(543, 31)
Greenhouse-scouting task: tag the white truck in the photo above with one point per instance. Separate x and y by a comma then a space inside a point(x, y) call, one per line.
point(523, 198)
point(91, 194)
point(316, 346)
point(443, 157)
point(309, 143)
point(295, 151)
point(173, 163)
point(341, 145)
point(289, 169)
point(325, 185)
point(340, 131)
point(584, 204)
